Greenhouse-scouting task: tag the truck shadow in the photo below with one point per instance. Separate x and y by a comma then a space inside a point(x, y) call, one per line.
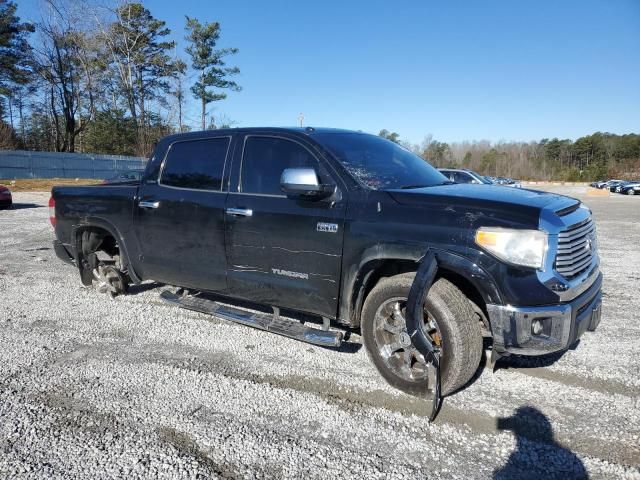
point(22, 206)
point(143, 287)
point(537, 453)
point(512, 362)
point(516, 362)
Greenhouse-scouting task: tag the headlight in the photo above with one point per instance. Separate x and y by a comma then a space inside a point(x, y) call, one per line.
point(519, 247)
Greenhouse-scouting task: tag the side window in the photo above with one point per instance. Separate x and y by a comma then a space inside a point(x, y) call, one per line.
point(196, 164)
point(265, 158)
point(461, 177)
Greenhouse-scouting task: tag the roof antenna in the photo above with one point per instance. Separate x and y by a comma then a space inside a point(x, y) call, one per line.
point(301, 118)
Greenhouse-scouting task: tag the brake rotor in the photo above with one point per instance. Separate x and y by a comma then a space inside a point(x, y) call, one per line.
point(108, 279)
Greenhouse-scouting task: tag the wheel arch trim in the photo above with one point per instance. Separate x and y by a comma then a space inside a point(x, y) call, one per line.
point(97, 222)
point(357, 279)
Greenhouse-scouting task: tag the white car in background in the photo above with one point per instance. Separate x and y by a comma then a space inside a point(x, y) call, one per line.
point(463, 175)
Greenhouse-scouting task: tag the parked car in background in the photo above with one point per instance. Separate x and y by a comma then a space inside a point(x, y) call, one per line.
point(465, 176)
point(617, 186)
point(630, 188)
point(128, 176)
point(507, 182)
point(5, 197)
point(607, 183)
point(626, 187)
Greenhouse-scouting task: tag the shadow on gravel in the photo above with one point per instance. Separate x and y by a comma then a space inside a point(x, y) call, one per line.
point(532, 362)
point(21, 206)
point(512, 362)
point(537, 454)
point(143, 287)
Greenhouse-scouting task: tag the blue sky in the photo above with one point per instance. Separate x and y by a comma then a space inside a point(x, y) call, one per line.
point(460, 70)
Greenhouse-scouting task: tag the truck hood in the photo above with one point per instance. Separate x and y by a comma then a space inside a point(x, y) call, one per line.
point(516, 204)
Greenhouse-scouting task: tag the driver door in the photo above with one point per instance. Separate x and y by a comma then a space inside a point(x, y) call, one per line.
point(282, 251)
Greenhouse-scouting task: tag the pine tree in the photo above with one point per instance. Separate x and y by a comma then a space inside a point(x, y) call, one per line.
point(209, 62)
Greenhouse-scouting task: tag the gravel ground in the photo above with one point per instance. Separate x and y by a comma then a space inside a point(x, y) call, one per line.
point(131, 387)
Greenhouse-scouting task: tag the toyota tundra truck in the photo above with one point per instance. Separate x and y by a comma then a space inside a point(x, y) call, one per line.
point(331, 227)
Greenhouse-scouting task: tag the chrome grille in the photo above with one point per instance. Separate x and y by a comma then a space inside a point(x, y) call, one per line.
point(576, 248)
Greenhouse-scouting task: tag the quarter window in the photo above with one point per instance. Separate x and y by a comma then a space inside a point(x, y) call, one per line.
point(197, 164)
point(265, 158)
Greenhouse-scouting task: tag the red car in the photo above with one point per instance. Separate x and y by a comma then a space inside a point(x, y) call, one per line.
point(5, 197)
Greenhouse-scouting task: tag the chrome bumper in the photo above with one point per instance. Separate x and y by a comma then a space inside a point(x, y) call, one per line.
point(556, 327)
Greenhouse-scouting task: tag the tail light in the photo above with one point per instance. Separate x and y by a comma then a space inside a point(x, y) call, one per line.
point(52, 211)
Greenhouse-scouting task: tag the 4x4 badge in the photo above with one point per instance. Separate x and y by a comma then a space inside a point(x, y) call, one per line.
point(327, 227)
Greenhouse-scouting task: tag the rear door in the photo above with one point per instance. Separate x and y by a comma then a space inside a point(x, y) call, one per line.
point(283, 251)
point(180, 216)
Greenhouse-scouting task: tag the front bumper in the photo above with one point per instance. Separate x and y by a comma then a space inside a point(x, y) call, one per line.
point(557, 326)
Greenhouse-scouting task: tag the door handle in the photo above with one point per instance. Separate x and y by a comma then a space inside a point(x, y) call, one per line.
point(146, 204)
point(242, 212)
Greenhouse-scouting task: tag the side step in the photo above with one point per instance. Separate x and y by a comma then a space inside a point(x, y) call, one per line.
point(263, 321)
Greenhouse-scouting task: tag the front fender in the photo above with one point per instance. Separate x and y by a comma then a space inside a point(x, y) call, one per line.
point(358, 275)
point(477, 276)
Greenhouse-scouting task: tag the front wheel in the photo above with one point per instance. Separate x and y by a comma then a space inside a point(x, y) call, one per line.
point(631, 191)
point(448, 319)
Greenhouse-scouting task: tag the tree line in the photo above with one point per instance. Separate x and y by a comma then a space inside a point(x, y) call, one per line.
point(108, 79)
point(592, 157)
point(90, 78)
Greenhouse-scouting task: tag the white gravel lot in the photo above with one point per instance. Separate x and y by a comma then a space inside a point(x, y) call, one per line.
point(98, 388)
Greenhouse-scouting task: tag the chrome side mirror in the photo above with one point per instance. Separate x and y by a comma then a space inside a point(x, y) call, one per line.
point(304, 182)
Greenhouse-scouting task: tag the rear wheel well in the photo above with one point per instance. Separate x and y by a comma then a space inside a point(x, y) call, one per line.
point(96, 245)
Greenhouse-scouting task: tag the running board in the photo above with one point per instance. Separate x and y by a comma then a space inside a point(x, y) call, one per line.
point(263, 321)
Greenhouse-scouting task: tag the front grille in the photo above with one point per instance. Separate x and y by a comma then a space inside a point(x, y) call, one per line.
point(576, 248)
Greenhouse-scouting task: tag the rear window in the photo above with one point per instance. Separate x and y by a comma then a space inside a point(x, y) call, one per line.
point(197, 164)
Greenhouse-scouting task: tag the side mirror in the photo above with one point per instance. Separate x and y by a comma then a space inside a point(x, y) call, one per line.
point(304, 182)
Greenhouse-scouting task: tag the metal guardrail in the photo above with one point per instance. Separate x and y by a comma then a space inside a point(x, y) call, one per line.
point(16, 164)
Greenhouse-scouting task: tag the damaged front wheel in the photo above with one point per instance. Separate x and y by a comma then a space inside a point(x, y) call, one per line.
point(448, 321)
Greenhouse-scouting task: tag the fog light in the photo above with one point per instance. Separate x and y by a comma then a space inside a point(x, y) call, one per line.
point(536, 327)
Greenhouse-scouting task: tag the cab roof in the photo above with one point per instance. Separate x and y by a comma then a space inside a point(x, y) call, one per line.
point(310, 131)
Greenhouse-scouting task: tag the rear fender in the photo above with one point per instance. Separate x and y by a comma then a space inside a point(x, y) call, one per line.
point(80, 258)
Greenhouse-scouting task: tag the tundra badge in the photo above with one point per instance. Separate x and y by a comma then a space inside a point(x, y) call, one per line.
point(327, 227)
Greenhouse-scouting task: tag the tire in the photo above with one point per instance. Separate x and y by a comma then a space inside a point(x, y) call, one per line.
point(457, 326)
point(631, 191)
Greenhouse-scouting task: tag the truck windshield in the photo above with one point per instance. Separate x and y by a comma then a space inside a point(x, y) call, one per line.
point(380, 164)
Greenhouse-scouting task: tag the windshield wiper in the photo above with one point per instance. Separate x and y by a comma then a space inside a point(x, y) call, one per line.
point(411, 187)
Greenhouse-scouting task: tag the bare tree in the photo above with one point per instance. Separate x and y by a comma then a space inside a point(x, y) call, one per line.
point(68, 60)
point(140, 60)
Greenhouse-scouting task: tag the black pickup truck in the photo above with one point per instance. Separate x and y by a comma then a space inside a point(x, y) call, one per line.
point(333, 225)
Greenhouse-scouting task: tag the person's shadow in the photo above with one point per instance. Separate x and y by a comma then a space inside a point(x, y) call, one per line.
point(537, 454)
